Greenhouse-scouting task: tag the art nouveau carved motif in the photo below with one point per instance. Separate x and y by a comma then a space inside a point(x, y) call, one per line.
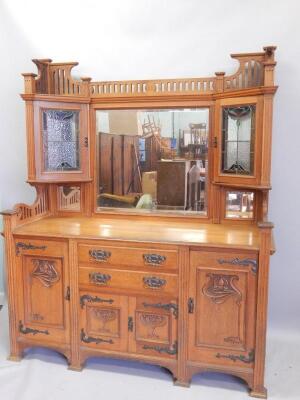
point(152, 322)
point(45, 272)
point(220, 287)
point(105, 316)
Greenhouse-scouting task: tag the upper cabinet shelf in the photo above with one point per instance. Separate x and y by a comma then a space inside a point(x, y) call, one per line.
point(255, 71)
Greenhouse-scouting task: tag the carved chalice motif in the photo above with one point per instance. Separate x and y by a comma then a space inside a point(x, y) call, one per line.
point(152, 322)
point(220, 287)
point(45, 271)
point(105, 316)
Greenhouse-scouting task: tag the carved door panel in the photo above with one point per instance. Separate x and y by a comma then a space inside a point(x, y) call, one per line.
point(44, 297)
point(104, 321)
point(221, 310)
point(153, 326)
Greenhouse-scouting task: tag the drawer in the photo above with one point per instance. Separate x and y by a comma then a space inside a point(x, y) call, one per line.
point(128, 256)
point(224, 259)
point(132, 280)
point(28, 246)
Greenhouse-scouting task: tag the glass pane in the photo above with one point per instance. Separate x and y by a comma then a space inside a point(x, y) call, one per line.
point(153, 159)
point(69, 198)
point(61, 140)
point(239, 205)
point(238, 133)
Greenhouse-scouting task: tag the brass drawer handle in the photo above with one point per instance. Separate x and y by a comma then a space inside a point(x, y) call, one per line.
point(99, 279)
point(100, 255)
point(154, 282)
point(154, 259)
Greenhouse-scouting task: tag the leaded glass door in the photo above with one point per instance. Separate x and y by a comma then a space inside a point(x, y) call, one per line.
point(238, 140)
point(62, 137)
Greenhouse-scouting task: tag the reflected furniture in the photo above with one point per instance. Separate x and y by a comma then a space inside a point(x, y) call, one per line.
point(149, 239)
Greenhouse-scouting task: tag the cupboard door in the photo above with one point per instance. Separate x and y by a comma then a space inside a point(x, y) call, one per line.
point(153, 326)
point(103, 321)
point(238, 142)
point(221, 311)
point(44, 298)
point(61, 141)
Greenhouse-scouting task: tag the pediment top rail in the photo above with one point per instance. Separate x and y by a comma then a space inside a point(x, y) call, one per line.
point(255, 70)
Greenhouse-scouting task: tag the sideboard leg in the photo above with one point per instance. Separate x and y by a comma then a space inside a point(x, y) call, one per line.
point(16, 354)
point(259, 392)
point(75, 367)
point(182, 382)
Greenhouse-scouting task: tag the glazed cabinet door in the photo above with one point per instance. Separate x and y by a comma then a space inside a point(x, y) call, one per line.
point(103, 320)
point(238, 140)
point(44, 293)
point(61, 141)
point(153, 326)
point(221, 308)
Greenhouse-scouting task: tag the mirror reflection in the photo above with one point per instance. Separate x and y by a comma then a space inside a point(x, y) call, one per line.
point(239, 205)
point(153, 159)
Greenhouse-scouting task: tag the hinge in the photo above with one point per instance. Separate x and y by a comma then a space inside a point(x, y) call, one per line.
point(215, 141)
point(86, 142)
point(191, 305)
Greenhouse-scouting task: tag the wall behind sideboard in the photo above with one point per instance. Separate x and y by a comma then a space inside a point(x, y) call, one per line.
point(163, 39)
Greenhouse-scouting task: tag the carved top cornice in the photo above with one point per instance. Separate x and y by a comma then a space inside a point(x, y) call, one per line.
point(255, 71)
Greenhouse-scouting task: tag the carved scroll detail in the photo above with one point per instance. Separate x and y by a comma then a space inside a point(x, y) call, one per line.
point(45, 271)
point(220, 287)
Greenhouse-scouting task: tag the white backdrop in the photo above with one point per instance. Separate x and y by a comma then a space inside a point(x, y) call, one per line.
point(135, 39)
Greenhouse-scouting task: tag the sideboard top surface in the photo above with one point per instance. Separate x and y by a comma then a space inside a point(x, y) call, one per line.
point(189, 233)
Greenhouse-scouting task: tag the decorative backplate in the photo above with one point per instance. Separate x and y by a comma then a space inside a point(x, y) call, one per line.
point(154, 259)
point(45, 271)
point(25, 331)
point(99, 278)
point(27, 246)
point(99, 255)
point(162, 349)
point(233, 357)
point(220, 287)
point(93, 299)
point(153, 282)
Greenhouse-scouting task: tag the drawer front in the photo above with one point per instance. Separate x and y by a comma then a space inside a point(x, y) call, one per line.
point(25, 246)
point(134, 280)
point(132, 257)
point(224, 259)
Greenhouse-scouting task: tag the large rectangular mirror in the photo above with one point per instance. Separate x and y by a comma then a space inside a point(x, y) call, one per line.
point(153, 159)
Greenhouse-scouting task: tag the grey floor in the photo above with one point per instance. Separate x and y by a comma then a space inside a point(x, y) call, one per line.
point(43, 375)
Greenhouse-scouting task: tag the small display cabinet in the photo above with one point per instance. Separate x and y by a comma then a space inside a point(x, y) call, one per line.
point(149, 238)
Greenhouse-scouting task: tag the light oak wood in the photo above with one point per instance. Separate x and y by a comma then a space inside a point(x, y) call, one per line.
point(183, 291)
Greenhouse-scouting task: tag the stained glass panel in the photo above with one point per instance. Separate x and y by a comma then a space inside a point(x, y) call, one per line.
point(61, 140)
point(238, 134)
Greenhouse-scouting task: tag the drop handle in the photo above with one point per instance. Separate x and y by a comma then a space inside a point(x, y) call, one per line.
point(191, 305)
